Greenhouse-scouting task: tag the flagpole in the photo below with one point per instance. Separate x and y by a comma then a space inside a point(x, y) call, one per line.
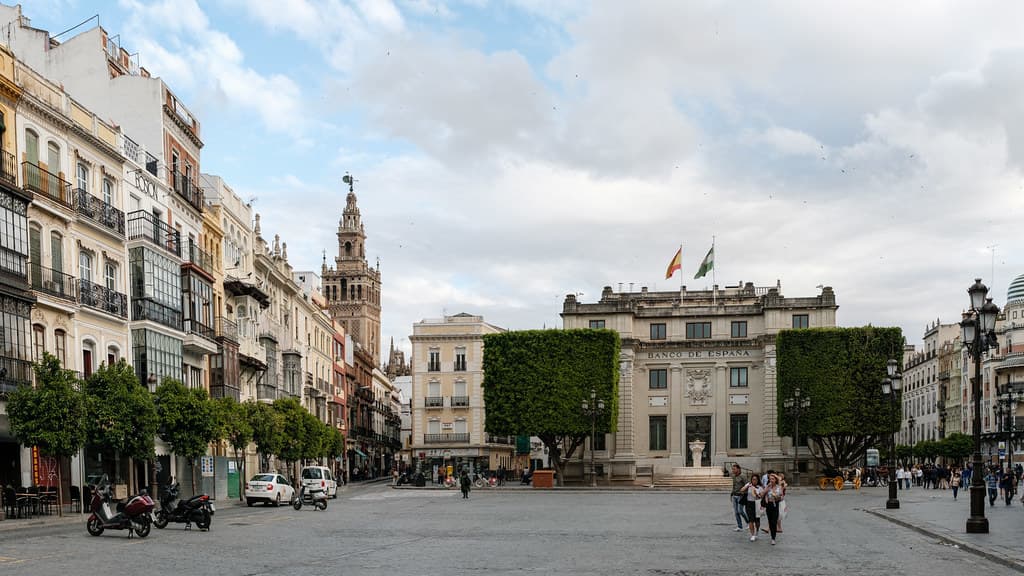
point(680, 267)
point(714, 283)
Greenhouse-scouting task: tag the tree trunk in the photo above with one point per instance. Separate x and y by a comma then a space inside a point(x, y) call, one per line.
point(60, 490)
point(193, 462)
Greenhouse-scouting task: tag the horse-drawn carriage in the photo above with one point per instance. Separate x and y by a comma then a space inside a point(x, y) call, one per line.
point(838, 479)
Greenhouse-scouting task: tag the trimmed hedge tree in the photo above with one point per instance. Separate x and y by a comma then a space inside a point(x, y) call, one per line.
point(536, 380)
point(841, 371)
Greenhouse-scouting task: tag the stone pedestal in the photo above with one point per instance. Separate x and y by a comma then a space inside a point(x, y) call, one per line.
point(697, 452)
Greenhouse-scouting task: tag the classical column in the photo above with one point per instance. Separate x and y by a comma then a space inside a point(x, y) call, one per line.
point(677, 452)
point(625, 437)
point(720, 417)
point(770, 441)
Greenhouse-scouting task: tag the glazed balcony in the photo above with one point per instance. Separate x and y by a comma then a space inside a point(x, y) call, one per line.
point(99, 212)
point(101, 298)
point(200, 258)
point(146, 309)
point(14, 372)
point(47, 185)
point(188, 190)
point(144, 226)
point(8, 168)
point(449, 438)
point(52, 282)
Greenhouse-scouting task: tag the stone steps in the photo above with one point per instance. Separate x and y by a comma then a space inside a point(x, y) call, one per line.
point(694, 482)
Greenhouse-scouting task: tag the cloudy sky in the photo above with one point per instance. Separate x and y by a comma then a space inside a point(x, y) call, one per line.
point(509, 153)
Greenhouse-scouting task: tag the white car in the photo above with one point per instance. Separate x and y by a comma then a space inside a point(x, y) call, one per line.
point(269, 488)
point(319, 477)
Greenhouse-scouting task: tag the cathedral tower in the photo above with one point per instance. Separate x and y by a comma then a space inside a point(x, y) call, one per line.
point(351, 286)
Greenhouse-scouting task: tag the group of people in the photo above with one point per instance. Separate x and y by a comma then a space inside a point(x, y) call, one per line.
point(1003, 482)
point(760, 495)
point(926, 476)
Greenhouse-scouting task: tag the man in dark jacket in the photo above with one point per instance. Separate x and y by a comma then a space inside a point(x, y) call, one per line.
point(464, 484)
point(738, 482)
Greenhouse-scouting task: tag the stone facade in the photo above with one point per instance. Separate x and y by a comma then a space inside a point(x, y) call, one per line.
point(696, 365)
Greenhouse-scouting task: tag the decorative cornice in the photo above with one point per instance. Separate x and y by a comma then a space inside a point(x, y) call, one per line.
point(184, 127)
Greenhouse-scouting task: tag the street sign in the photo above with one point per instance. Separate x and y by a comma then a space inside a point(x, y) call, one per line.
point(206, 464)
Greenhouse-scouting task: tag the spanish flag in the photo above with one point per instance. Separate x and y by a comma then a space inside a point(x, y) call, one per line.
point(675, 264)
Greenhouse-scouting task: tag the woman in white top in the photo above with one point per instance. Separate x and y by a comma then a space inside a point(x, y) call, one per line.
point(754, 492)
point(772, 498)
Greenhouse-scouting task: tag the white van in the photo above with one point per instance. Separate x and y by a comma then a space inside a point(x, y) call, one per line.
point(319, 477)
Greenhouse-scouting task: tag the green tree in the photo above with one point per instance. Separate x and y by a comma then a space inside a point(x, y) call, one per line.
point(535, 382)
point(267, 429)
point(187, 420)
point(927, 449)
point(335, 443)
point(236, 429)
point(957, 447)
point(50, 416)
point(905, 453)
point(121, 417)
point(841, 371)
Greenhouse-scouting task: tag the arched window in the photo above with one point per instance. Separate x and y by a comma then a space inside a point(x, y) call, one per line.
point(38, 342)
point(348, 248)
point(82, 174)
point(52, 158)
point(56, 251)
point(31, 147)
point(113, 355)
point(88, 352)
point(85, 266)
point(60, 346)
point(108, 192)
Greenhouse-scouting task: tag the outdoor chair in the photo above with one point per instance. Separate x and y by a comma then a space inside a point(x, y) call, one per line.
point(86, 496)
point(75, 498)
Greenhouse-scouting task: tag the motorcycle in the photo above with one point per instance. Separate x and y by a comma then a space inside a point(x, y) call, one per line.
point(316, 496)
point(196, 509)
point(133, 515)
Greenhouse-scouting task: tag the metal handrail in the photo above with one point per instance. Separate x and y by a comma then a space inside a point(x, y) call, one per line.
point(147, 309)
point(52, 282)
point(100, 212)
point(457, 437)
point(8, 168)
point(47, 184)
point(146, 226)
point(102, 298)
point(433, 401)
point(188, 189)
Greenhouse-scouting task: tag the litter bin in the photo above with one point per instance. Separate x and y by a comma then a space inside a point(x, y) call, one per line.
point(421, 480)
point(543, 478)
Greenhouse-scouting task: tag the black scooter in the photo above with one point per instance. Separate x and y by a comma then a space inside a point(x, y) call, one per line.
point(197, 509)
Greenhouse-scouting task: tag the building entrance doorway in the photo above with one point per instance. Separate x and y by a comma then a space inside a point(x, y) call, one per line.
point(698, 428)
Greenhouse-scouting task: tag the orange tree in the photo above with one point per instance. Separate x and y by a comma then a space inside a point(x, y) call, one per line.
point(536, 380)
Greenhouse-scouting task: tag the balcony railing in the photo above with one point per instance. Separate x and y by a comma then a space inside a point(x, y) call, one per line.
point(508, 440)
point(200, 257)
point(47, 184)
point(460, 365)
point(452, 438)
point(102, 298)
point(52, 282)
point(460, 401)
point(8, 168)
point(266, 392)
point(146, 309)
point(196, 327)
point(145, 226)
point(14, 372)
point(225, 328)
point(100, 212)
point(434, 366)
point(433, 402)
point(188, 189)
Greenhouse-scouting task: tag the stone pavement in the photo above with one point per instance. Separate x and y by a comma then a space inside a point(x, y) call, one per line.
point(934, 512)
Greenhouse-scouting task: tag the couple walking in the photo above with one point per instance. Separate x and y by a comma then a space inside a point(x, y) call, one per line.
point(755, 497)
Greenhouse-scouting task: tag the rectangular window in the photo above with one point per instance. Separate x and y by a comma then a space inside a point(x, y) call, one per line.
point(658, 378)
point(599, 441)
point(110, 275)
point(737, 377)
point(597, 323)
point(434, 427)
point(800, 321)
point(698, 330)
point(658, 439)
point(434, 361)
point(460, 359)
point(657, 331)
point(38, 342)
point(737, 431)
point(739, 329)
point(60, 343)
point(14, 245)
point(434, 389)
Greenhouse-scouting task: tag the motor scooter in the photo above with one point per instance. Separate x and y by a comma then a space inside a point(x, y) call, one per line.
point(196, 509)
point(315, 496)
point(133, 515)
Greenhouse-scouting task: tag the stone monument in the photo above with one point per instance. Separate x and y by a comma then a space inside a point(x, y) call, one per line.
point(697, 450)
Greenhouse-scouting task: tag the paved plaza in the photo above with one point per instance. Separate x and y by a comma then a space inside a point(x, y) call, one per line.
point(376, 529)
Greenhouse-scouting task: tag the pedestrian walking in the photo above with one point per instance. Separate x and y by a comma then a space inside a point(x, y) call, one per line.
point(954, 483)
point(1006, 484)
point(772, 499)
point(738, 484)
point(783, 507)
point(992, 481)
point(753, 492)
point(464, 484)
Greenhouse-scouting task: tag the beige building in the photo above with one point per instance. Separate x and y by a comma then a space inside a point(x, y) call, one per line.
point(447, 398)
point(696, 365)
point(925, 384)
point(1008, 366)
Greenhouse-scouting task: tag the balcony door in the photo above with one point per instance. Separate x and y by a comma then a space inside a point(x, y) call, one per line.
point(698, 427)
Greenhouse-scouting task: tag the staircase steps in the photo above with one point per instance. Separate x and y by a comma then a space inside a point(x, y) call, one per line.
point(694, 482)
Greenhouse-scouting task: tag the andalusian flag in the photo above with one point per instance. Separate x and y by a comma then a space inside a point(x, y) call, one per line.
point(707, 264)
point(675, 264)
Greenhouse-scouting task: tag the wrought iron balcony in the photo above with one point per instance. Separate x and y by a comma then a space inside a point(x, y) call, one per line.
point(47, 185)
point(147, 309)
point(52, 282)
point(225, 328)
point(188, 189)
point(144, 226)
point(460, 401)
point(102, 298)
point(451, 438)
point(507, 440)
point(99, 212)
point(14, 372)
point(433, 402)
point(200, 257)
point(196, 327)
point(8, 168)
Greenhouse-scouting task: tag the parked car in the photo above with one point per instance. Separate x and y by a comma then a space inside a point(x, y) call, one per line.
point(320, 477)
point(269, 488)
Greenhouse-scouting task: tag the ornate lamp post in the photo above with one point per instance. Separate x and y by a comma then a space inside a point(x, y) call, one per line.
point(794, 405)
point(1009, 394)
point(978, 335)
point(593, 409)
point(891, 387)
point(910, 430)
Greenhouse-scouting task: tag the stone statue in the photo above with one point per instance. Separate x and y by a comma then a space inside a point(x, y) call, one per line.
point(697, 451)
point(698, 386)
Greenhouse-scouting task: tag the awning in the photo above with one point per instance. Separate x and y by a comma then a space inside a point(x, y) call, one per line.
point(360, 452)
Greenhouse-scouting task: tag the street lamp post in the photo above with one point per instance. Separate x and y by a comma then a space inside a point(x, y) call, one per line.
point(910, 429)
point(978, 335)
point(891, 387)
point(1008, 398)
point(794, 405)
point(593, 409)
